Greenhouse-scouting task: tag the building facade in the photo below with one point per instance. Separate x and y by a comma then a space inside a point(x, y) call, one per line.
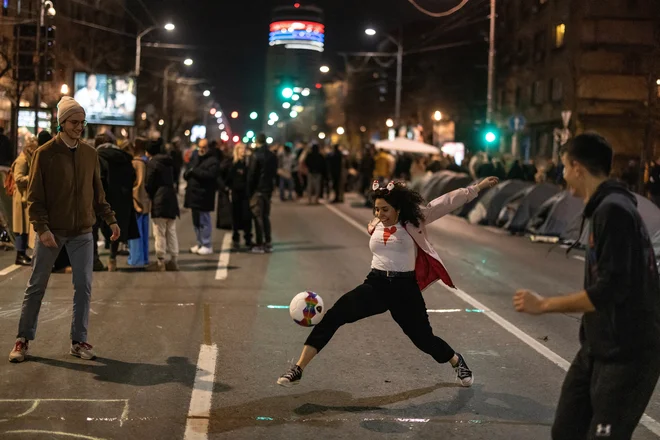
point(597, 59)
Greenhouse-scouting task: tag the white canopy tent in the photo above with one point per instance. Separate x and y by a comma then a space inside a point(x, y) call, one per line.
point(407, 146)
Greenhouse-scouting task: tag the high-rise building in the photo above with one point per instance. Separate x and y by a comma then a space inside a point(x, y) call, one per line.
point(292, 72)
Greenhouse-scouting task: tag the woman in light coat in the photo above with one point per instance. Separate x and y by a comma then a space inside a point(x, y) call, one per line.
point(23, 231)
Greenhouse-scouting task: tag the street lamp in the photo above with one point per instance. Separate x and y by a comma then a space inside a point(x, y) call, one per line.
point(293, 114)
point(254, 115)
point(389, 123)
point(188, 62)
point(64, 90)
point(399, 72)
point(340, 131)
point(166, 82)
point(234, 115)
point(295, 97)
point(212, 111)
point(324, 69)
point(305, 92)
point(207, 93)
point(321, 135)
point(51, 9)
point(273, 116)
point(437, 116)
point(161, 122)
point(138, 44)
point(286, 105)
point(271, 122)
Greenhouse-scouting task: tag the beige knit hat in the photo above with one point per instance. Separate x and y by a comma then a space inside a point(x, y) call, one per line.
point(66, 107)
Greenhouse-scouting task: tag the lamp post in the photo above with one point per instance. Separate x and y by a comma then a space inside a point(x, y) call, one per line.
point(138, 44)
point(399, 73)
point(166, 79)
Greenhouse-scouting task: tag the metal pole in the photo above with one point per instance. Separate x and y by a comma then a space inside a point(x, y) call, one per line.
point(491, 63)
point(166, 76)
point(399, 74)
point(138, 52)
point(37, 68)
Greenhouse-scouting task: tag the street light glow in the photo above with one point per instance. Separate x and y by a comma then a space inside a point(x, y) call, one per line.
point(340, 131)
point(169, 27)
point(286, 105)
point(295, 97)
point(65, 89)
point(293, 114)
point(269, 140)
point(250, 134)
point(389, 123)
point(187, 132)
point(287, 92)
point(490, 137)
point(363, 129)
point(437, 115)
point(161, 122)
point(321, 135)
point(271, 122)
point(305, 92)
point(236, 139)
point(273, 116)
point(324, 69)
point(212, 111)
point(207, 93)
point(221, 126)
point(369, 31)
point(188, 62)
point(144, 116)
point(234, 115)
point(254, 115)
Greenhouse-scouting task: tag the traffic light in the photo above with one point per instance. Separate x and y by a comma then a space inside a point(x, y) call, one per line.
point(491, 136)
point(47, 64)
point(287, 92)
point(26, 40)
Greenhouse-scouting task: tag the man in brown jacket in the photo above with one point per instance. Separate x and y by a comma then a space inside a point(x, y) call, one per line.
point(64, 216)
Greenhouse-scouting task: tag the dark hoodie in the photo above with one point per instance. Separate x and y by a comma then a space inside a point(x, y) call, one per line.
point(620, 278)
point(159, 184)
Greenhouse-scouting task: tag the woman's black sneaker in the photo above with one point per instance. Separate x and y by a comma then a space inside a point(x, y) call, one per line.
point(463, 372)
point(291, 377)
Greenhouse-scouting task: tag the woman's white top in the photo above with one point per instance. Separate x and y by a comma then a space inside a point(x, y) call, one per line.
point(393, 249)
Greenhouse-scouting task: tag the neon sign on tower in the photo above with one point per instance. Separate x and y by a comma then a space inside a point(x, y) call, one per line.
point(308, 35)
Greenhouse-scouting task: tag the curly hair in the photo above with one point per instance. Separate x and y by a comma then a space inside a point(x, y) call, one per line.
point(403, 199)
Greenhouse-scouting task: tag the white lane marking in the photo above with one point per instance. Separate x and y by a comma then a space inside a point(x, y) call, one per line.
point(648, 422)
point(10, 269)
point(223, 260)
point(578, 257)
point(197, 426)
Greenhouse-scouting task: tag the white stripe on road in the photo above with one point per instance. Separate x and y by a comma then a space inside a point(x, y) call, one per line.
point(578, 257)
point(648, 422)
point(223, 260)
point(197, 426)
point(10, 269)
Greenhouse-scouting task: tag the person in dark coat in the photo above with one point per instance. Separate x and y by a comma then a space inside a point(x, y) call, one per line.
point(118, 177)
point(516, 171)
point(337, 168)
point(315, 163)
point(159, 183)
point(240, 202)
point(262, 172)
point(202, 178)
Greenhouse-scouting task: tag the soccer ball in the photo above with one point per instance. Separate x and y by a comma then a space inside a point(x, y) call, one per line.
point(307, 309)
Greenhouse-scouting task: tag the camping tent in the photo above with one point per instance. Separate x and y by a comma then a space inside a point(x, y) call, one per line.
point(488, 208)
point(464, 210)
point(555, 215)
point(523, 205)
point(442, 182)
point(407, 146)
point(647, 210)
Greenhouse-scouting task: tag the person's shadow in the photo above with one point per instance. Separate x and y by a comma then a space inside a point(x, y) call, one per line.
point(176, 370)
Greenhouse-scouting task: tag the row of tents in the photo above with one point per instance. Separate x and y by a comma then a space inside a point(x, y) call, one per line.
point(541, 211)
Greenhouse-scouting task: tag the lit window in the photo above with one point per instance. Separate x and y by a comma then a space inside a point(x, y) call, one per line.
point(560, 31)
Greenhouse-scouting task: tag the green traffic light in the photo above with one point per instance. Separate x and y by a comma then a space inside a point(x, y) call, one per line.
point(250, 134)
point(490, 137)
point(287, 92)
point(254, 115)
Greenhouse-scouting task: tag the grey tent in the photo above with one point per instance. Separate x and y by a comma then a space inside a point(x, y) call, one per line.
point(433, 187)
point(488, 208)
point(464, 210)
point(458, 180)
point(555, 215)
point(647, 210)
point(522, 206)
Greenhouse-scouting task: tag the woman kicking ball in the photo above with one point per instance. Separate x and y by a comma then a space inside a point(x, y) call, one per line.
point(404, 263)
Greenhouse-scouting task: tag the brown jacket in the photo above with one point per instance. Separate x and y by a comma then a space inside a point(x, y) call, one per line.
point(65, 193)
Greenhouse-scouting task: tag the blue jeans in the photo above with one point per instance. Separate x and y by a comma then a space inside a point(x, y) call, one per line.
point(286, 185)
point(202, 225)
point(81, 254)
point(21, 241)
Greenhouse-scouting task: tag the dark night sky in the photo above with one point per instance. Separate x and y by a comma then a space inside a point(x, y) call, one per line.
point(232, 36)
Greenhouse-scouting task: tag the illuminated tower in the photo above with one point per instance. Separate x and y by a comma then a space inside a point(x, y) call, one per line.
point(296, 39)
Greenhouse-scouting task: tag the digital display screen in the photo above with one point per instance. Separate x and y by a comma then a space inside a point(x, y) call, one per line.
point(307, 35)
point(107, 99)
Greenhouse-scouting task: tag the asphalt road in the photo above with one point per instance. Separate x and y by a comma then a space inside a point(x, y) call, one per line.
point(196, 354)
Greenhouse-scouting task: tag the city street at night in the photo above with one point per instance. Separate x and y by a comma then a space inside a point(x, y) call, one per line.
point(370, 382)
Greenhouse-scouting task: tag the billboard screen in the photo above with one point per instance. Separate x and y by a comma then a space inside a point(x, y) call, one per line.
point(107, 99)
point(307, 35)
point(26, 120)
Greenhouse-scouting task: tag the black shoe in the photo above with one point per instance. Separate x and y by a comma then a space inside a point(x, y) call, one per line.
point(463, 372)
point(291, 377)
point(23, 260)
point(98, 266)
point(235, 246)
point(268, 248)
